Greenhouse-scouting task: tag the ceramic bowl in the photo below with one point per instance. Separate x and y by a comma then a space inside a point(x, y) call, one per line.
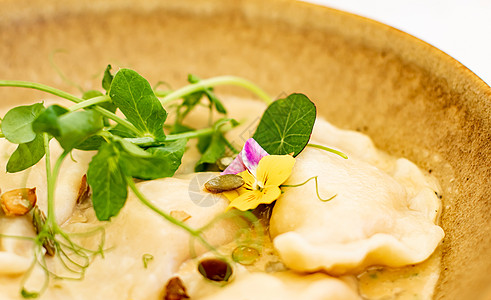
point(411, 98)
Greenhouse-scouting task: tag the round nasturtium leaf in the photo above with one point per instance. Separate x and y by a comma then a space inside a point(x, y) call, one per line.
point(286, 125)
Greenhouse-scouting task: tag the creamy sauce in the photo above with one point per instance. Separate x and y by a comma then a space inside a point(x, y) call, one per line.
point(137, 232)
point(414, 282)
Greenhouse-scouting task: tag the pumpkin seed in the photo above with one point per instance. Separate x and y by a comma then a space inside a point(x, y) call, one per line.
point(215, 269)
point(18, 202)
point(175, 290)
point(83, 191)
point(224, 183)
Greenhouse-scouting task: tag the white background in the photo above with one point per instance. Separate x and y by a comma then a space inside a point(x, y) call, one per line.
point(461, 28)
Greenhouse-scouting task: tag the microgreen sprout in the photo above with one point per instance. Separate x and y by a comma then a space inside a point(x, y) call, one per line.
point(52, 240)
point(129, 147)
point(146, 259)
point(337, 152)
point(316, 188)
point(132, 144)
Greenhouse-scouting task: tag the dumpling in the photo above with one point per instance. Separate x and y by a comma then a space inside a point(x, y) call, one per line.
point(15, 254)
point(135, 233)
point(373, 220)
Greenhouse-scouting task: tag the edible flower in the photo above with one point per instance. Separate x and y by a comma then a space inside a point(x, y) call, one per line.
point(263, 175)
point(247, 159)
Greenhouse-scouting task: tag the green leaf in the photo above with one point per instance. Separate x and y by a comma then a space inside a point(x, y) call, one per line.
point(107, 78)
point(212, 147)
point(26, 155)
point(192, 99)
point(91, 143)
point(109, 188)
point(213, 99)
point(132, 94)
point(213, 152)
point(122, 131)
point(131, 148)
point(286, 125)
point(17, 123)
point(94, 93)
point(193, 78)
point(47, 121)
point(91, 94)
point(162, 162)
point(189, 103)
point(69, 128)
point(203, 143)
point(209, 94)
point(180, 128)
point(76, 127)
point(108, 106)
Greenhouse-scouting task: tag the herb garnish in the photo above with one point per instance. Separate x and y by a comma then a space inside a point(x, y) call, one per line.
point(286, 125)
point(127, 148)
point(133, 95)
point(134, 146)
point(146, 258)
point(17, 128)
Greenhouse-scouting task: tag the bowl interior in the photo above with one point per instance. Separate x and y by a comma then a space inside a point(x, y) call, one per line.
point(412, 99)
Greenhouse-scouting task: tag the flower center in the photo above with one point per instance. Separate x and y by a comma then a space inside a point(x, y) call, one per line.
point(258, 185)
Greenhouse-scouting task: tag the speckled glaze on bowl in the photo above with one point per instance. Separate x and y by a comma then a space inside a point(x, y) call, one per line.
point(411, 98)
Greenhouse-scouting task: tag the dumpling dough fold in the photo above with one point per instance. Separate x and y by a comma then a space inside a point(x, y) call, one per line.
point(371, 221)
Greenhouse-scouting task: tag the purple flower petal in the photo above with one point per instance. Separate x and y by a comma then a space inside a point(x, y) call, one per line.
point(252, 154)
point(247, 159)
point(235, 167)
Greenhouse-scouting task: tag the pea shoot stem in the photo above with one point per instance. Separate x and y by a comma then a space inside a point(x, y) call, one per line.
point(328, 150)
point(40, 87)
point(47, 158)
point(211, 82)
point(68, 96)
point(195, 233)
point(190, 134)
point(90, 102)
point(149, 141)
point(215, 81)
point(63, 247)
point(316, 188)
point(167, 97)
point(58, 243)
point(117, 119)
point(52, 175)
point(20, 237)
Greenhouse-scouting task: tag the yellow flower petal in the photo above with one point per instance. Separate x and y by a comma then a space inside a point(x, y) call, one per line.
point(231, 195)
point(248, 179)
point(249, 182)
point(251, 199)
point(270, 194)
point(273, 170)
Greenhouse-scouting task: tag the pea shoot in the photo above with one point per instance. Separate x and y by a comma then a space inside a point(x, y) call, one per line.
point(129, 147)
point(136, 147)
